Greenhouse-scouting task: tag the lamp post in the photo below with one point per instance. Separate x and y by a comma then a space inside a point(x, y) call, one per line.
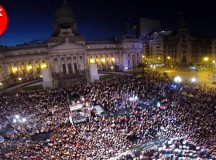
point(193, 80)
point(168, 59)
point(205, 59)
point(177, 79)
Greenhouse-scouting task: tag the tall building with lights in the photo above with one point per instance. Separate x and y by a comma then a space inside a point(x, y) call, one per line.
point(154, 46)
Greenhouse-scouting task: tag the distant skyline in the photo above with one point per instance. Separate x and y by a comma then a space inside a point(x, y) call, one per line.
point(102, 19)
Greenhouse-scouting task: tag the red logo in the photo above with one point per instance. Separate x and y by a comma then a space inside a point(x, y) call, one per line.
point(3, 20)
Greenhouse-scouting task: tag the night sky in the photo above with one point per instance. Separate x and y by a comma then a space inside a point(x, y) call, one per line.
point(103, 19)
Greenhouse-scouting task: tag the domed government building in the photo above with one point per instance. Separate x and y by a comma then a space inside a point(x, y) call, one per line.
point(66, 54)
point(66, 58)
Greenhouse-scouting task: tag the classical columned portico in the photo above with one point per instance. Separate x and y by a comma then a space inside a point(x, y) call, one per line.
point(67, 58)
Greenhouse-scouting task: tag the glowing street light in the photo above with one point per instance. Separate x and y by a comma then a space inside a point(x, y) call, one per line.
point(206, 59)
point(168, 57)
point(178, 79)
point(14, 120)
point(17, 116)
point(23, 119)
point(193, 80)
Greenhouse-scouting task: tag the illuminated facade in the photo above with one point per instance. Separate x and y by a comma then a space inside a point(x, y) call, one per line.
point(66, 53)
point(154, 46)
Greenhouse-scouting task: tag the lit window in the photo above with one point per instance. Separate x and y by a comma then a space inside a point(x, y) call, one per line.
point(43, 65)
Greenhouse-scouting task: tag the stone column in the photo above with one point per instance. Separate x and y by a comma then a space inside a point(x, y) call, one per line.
point(66, 65)
point(51, 66)
point(60, 65)
point(72, 64)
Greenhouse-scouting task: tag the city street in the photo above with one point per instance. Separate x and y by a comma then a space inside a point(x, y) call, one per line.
point(203, 77)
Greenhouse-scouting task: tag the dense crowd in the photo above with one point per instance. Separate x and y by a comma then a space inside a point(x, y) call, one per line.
point(189, 118)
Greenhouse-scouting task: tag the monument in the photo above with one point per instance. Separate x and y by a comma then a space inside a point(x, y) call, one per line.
point(93, 71)
point(47, 78)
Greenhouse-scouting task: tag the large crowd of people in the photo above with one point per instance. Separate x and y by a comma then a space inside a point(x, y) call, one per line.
point(188, 118)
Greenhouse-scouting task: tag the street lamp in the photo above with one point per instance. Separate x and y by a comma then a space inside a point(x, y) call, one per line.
point(193, 80)
point(14, 120)
point(205, 59)
point(177, 79)
point(23, 119)
point(213, 63)
point(17, 116)
point(168, 58)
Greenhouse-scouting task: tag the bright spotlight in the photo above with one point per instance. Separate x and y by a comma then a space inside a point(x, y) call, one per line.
point(14, 120)
point(24, 120)
point(178, 79)
point(193, 80)
point(17, 116)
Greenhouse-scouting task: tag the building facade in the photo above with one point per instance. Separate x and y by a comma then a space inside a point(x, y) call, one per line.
point(154, 46)
point(182, 49)
point(66, 53)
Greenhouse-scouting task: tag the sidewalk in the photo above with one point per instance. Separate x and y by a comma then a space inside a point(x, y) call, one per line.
point(12, 89)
